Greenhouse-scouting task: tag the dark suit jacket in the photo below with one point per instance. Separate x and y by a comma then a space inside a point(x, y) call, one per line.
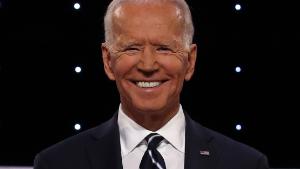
point(99, 148)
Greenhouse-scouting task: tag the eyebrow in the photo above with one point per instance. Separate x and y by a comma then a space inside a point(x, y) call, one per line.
point(128, 44)
point(138, 43)
point(164, 43)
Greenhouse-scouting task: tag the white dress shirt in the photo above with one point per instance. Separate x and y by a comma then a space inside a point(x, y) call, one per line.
point(133, 145)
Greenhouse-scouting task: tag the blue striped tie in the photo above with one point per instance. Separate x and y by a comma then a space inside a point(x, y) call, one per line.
point(152, 159)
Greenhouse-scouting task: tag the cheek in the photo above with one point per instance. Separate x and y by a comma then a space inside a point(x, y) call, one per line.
point(174, 65)
point(122, 65)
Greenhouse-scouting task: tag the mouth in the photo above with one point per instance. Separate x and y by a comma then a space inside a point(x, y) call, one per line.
point(149, 84)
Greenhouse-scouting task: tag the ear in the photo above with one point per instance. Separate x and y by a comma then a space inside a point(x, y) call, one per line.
point(107, 62)
point(191, 62)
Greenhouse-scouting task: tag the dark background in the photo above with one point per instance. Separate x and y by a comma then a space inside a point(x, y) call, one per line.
point(42, 97)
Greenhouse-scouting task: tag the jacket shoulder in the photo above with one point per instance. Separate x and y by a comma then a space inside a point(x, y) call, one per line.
point(227, 151)
point(78, 140)
point(233, 151)
point(72, 150)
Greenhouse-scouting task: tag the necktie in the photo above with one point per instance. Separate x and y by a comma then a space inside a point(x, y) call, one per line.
point(152, 159)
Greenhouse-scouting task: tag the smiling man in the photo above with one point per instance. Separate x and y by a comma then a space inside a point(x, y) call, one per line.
point(149, 56)
point(148, 52)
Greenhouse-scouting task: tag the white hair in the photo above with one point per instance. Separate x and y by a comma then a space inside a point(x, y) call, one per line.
point(181, 4)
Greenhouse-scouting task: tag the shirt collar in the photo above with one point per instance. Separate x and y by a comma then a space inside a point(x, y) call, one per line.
point(132, 134)
point(174, 131)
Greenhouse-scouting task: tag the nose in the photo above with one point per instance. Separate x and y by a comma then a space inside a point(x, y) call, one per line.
point(148, 62)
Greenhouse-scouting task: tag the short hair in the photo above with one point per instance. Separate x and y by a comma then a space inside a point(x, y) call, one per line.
point(181, 4)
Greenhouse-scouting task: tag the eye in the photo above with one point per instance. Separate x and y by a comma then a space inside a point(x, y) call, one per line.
point(132, 49)
point(164, 49)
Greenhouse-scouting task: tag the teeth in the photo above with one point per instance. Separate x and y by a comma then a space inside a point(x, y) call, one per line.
point(147, 84)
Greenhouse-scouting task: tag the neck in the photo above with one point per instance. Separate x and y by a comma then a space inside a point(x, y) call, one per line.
point(153, 120)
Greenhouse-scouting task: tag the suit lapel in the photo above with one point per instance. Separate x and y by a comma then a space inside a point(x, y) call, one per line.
point(104, 150)
point(199, 153)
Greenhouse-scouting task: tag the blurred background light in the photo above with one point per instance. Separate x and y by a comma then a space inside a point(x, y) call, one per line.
point(77, 69)
point(238, 69)
point(76, 6)
point(77, 126)
point(238, 127)
point(238, 7)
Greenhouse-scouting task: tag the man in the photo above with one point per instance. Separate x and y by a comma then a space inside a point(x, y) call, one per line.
point(148, 51)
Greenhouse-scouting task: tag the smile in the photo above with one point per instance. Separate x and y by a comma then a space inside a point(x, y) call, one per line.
point(148, 84)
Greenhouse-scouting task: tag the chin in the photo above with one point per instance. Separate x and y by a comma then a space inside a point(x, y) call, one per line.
point(156, 107)
point(149, 107)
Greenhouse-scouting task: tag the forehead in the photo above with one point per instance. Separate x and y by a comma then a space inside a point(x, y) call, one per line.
point(135, 18)
point(168, 7)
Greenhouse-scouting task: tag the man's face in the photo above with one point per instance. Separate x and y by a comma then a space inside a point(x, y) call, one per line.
point(148, 58)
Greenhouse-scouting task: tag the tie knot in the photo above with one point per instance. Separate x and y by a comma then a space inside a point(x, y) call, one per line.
point(153, 140)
